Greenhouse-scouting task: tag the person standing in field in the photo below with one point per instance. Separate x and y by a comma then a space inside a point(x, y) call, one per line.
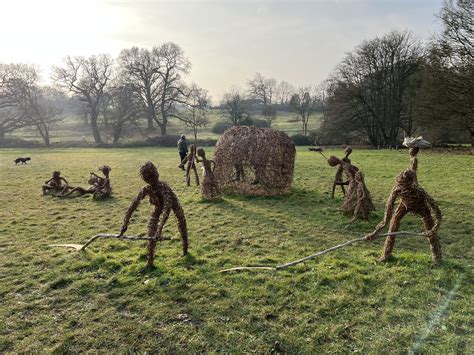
point(182, 150)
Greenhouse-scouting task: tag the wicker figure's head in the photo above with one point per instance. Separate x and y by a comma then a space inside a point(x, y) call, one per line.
point(105, 170)
point(201, 153)
point(56, 174)
point(149, 173)
point(333, 161)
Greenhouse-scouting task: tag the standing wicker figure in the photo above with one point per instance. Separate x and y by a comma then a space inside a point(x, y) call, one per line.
point(414, 199)
point(209, 188)
point(55, 184)
point(99, 186)
point(191, 165)
point(357, 200)
point(338, 179)
point(164, 200)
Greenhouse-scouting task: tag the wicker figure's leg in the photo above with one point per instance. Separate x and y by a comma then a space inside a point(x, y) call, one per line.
point(434, 240)
point(394, 226)
point(152, 228)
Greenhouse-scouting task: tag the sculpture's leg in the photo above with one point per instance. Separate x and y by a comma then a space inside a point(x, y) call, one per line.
point(196, 175)
point(434, 240)
point(394, 226)
point(182, 227)
point(152, 228)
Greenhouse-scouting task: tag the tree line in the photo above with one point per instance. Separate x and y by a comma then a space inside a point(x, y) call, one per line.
point(112, 94)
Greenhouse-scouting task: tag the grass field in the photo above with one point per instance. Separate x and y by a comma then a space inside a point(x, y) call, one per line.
point(102, 300)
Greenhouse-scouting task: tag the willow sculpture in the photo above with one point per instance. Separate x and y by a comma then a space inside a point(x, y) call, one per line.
point(99, 186)
point(55, 184)
point(209, 188)
point(254, 161)
point(164, 201)
point(190, 161)
point(357, 200)
point(414, 199)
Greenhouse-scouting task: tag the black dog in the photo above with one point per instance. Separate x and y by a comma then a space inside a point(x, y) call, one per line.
point(21, 160)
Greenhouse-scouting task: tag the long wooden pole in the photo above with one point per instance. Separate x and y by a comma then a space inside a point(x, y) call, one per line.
point(299, 261)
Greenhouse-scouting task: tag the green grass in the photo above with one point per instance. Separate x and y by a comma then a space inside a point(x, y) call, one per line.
point(102, 300)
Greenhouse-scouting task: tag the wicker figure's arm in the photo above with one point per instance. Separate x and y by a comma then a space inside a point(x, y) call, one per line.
point(387, 216)
point(134, 205)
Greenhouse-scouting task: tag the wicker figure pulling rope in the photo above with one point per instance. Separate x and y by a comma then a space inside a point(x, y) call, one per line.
point(414, 199)
point(164, 200)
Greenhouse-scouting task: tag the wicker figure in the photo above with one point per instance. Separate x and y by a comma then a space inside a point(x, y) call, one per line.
point(191, 165)
point(357, 200)
point(209, 188)
point(55, 184)
point(338, 179)
point(414, 199)
point(99, 186)
point(164, 200)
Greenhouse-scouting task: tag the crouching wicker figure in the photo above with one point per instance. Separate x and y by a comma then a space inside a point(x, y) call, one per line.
point(209, 188)
point(55, 184)
point(414, 199)
point(164, 200)
point(357, 200)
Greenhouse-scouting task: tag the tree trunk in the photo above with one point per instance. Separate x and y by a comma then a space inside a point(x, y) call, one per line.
point(150, 126)
point(95, 128)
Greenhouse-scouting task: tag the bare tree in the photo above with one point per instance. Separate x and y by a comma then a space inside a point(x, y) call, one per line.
point(233, 106)
point(141, 68)
point(121, 108)
point(196, 108)
point(87, 78)
point(304, 103)
point(13, 79)
point(44, 109)
point(374, 79)
point(172, 90)
point(262, 89)
point(284, 91)
point(156, 76)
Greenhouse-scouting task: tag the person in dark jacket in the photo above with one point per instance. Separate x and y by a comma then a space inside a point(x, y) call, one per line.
point(183, 151)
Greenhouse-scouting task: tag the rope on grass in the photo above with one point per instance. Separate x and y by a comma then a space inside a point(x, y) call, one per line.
point(82, 247)
point(299, 261)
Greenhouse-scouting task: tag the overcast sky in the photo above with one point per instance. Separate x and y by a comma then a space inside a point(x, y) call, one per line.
point(226, 41)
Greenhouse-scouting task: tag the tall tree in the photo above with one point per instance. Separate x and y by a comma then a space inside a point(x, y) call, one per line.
point(13, 79)
point(121, 108)
point(87, 78)
point(234, 107)
point(374, 79)
point(196, 108)
point(172, 90)
point(447, 93)
point(141, 68)
point(304, 103)
point(262, 89)
point(156, 75)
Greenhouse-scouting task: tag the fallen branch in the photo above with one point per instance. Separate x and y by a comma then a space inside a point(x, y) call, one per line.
point(284, 266)
point(82, 247)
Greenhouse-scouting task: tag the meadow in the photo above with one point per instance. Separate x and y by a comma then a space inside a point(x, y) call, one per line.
point(103, 300)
